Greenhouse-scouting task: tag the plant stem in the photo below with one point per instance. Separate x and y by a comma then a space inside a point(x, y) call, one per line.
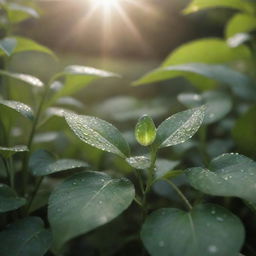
point(7, 169)
point(34, 194)
point(31, 137)
point(179, 192)
point(150, 179)
point(202, 145)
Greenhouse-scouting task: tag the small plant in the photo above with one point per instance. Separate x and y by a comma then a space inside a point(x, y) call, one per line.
point(129, 207)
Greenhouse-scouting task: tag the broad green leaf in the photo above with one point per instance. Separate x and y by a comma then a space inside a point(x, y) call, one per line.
point(217, 104)
point(164, 168)
point(211, 51)
point(9, 151)
point(7, 45)
point(19, 107)
point(26, 45)
point(9, 201)
point(77, 77)
point(25, 237)
point(236, 80)
point(198, 5)
point(17, 13)
point(145, 131)
point(240, 23)
point(85, 201)
point(28, 79)
point(202, 231)
point(43, 163)
point(98, 133)
point(139, 162)
point(228, 175)
point(179, 127)
point(244, 132)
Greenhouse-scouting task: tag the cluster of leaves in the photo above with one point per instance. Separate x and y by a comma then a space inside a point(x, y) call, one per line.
point(81, 199)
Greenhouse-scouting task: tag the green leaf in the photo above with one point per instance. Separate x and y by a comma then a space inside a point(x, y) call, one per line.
point(236, 80)
point(19, 107)
point(228, 175)
point(164, 168)
point(43, 163)
point(145, 131)
point(198, 5)
point(26, 45)
point(17, 13)
point(98, 133)
point(239, 39)
point(26, 237)
point(6, 152)
point(9, 201)
point(7, 45)
point(217, 104)
point(77, 77)
point(201, 231)
point(210, 50)
point(139, 162)
point(244, 132)
point(179, 127)
point(85, 201)
point(240, 23)
point(28, 79)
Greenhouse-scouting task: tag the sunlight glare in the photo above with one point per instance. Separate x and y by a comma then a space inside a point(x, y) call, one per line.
point(107, 3)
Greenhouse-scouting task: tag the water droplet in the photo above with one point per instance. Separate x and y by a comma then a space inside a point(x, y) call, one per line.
point(161, 243)
point(212, 249)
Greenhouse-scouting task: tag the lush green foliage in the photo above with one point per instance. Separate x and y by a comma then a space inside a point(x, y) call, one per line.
point(88, 193)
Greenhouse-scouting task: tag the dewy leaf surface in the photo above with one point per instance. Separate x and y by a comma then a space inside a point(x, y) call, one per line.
point(9, 151)
point(179, 127)
point(85, 201)
point(204, 231)
point(98, 133)
point(28, 79)
point(43, 163)
point(25, 237)
point(9, 201)
point(228, 175)
point(19, 107)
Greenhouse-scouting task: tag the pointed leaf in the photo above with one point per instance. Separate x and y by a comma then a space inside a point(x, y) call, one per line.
point(43, 163)
point(17, 13)
point(9, 151)
point(98, 133)
point(19, 107)
point(204, 50)
point(171, 231)
point(197, 5)
point(240, 23)
point(236, 80)
point(26, 237)
point(179, 127)
point(27, 45)
point(77, 77)
point(28, 79)
point(228, 175)
point(9, 201)
point(85, 201)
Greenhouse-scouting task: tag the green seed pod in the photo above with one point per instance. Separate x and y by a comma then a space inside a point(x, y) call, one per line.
point(145, 131)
